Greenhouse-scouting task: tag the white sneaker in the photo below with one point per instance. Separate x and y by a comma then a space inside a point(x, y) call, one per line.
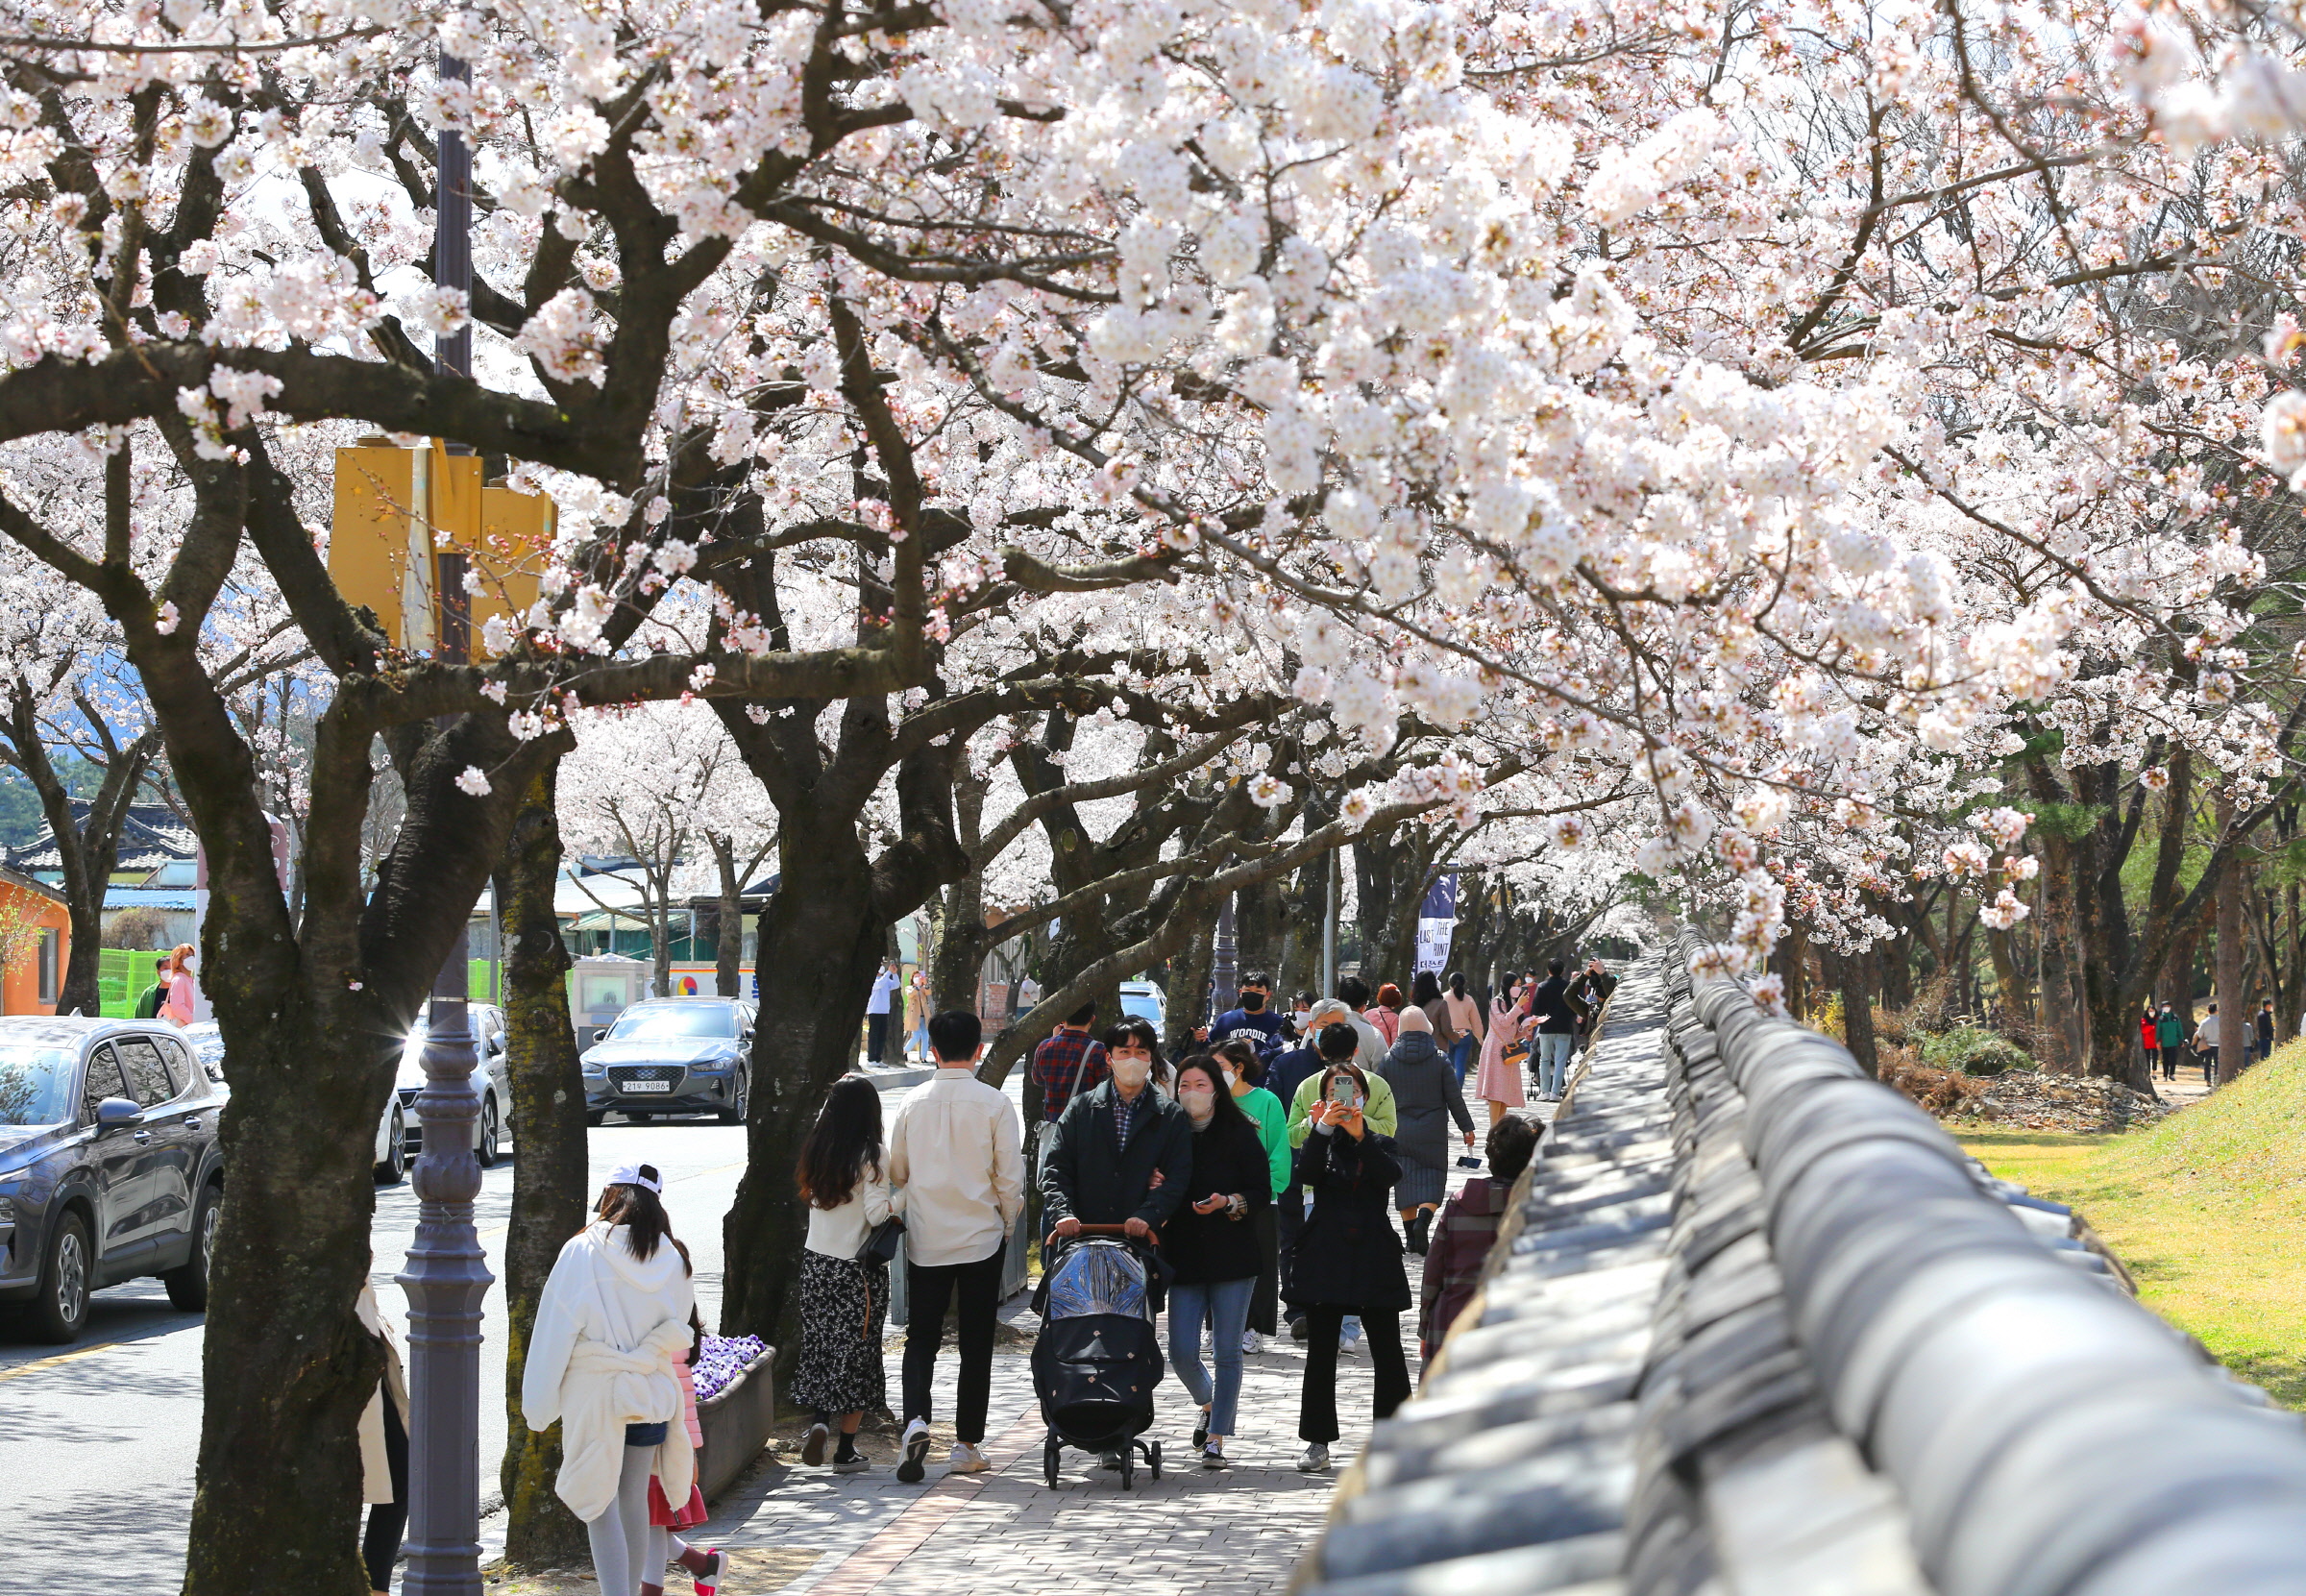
point(1349, 1347)
point(1315, 1460)
point(917, 1454)
point(1252, 1341)
point(967, 1460)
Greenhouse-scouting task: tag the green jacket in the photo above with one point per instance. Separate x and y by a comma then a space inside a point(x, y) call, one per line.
point(2171, 1030)
point(1273, 1129)
point(1378, 1112)
point(149, 999)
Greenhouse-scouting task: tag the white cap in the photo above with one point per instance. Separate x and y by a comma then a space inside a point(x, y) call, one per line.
point(630, 1174)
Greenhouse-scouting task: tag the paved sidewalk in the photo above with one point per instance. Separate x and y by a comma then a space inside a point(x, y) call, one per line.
point(1237, 1531)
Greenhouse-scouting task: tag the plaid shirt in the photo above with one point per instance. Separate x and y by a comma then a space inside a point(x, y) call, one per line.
point(1124, 1114)
point(1066, 1066)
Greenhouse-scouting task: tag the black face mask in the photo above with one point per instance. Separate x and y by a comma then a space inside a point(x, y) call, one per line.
point(1251, 1001)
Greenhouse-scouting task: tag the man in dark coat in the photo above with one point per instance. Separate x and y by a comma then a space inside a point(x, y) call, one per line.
point(1556, 1032)
point(1122, 1153)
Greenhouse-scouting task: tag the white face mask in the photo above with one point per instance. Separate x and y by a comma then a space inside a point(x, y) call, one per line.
point(1199, 1102)
point(1226, 1070)
point(1129, 1074)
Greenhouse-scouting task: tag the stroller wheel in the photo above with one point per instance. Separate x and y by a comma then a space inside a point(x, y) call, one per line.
point(1153, 1461)
point(1049, 1455)
point(1128, 1472)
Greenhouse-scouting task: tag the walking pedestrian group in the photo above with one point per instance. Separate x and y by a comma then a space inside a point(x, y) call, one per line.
point(1260, 1181)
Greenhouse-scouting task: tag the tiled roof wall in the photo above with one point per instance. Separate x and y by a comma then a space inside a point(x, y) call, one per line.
point(1757, 1324)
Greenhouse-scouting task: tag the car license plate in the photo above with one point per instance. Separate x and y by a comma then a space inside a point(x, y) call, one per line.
point(647, 1086)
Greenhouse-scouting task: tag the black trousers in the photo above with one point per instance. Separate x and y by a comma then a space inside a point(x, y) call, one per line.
point(2209, 1066)
point(1289, 1214)
point(876, 1037)
point(1264, 1303)
point(387, 1521)
point(929, 1289)
point(1317, 1402)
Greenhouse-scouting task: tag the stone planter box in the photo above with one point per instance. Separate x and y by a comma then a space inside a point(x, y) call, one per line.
point(736, 1425)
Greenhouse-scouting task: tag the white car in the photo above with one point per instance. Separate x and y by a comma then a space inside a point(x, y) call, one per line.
point(492, 1125)
point(207, 1040)
point(1142, 1000)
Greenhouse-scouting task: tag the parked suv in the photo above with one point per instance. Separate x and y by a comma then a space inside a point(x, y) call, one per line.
point(672, 1055)
point(110, 1166)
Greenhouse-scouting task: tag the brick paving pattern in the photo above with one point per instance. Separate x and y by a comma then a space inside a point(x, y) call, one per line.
point(1235, 1531)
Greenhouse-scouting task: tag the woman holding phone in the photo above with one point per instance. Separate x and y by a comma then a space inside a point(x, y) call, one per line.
point(1347, 1257)
point(1211, 1245)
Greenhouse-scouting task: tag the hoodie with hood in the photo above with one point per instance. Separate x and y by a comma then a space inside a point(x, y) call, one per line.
point(603, 1354)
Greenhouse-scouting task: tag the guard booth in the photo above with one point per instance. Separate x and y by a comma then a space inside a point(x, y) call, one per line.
point(600, 988)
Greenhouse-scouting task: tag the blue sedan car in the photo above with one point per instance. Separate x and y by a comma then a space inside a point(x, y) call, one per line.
point(110, 1166)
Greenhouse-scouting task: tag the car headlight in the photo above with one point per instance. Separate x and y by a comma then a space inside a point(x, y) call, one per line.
point(593, 1067)
point(7, 1211)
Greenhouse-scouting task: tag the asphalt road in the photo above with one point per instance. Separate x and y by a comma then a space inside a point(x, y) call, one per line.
point(98, 1440)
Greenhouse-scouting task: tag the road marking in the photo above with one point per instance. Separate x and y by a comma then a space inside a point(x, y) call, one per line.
point(58, 1361)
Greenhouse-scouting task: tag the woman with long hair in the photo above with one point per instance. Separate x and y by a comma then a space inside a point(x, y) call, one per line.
point(844, 1298)
point(179, 1004)
point(613, 1327)
point(1499, 1081)
point(1425, 992)
point(1246, 1074)
point(1211, 1245)
point(1465, 1016)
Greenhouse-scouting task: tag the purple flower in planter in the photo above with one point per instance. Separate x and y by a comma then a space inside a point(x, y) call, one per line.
point(721, 1360)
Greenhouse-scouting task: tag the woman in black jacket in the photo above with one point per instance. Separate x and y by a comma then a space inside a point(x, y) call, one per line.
point(1347, 1257)
point(1211, 1245)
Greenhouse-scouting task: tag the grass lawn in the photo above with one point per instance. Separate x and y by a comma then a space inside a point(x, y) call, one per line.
point(2208, 1208)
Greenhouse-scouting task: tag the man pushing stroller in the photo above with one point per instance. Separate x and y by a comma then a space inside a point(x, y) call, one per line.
point(1121, 1152)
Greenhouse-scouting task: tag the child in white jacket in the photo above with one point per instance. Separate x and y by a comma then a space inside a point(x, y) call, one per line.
point(613, 1320)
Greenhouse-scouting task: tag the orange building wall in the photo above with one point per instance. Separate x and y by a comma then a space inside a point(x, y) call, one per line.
point(21, 982)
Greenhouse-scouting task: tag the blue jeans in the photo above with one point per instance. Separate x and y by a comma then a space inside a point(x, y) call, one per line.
point(1224, 1304)
point(1460, 1057)
point(1552, 1062)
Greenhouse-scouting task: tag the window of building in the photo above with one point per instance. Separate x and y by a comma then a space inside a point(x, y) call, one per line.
point(51, 978)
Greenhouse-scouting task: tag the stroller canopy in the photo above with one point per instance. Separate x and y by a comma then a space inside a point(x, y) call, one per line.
point(1097, 1276)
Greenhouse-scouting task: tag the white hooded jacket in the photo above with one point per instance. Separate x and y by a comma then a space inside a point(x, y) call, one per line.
point(601, 1357)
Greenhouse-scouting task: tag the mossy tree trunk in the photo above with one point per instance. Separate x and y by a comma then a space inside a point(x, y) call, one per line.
point(549, 1180)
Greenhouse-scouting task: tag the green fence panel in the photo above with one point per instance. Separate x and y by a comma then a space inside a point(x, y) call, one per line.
point(116, 979)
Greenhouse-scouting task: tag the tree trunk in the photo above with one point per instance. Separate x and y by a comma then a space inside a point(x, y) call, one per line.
point(549, 1178)
point(2232, 997)
point(1857, 1009)
point(822, 935)
point(1188, 1000)
point(728, 933)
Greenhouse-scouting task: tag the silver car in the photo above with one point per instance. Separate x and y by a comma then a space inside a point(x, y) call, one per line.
point(492, 1122)
point(672, 1055)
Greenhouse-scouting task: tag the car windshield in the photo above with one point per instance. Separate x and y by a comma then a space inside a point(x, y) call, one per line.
point(675, 1020)
point(36, 1085)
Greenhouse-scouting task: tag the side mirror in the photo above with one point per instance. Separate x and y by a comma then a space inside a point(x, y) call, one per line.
point(600, 1035)
point(117, 1113)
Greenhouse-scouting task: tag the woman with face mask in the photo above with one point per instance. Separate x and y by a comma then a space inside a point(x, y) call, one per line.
point(181, 999)
point(1244, 1075)
point(1211, 1245)
point(1347, 1259)
point(1498, 1082)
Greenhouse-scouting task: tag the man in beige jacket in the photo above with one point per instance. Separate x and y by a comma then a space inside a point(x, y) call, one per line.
point(956, 1152)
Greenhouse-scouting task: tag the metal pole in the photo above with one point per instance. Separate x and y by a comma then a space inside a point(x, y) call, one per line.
point(446, 1275)
point(1328, 925)
point(1224, 964)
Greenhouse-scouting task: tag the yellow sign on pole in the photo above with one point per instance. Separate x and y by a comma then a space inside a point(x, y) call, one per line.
point(397, 510)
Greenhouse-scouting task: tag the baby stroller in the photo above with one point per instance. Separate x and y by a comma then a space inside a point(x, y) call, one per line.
point(1097, 1361)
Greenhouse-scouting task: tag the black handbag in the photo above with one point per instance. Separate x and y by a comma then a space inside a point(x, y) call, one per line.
point(881, 1245)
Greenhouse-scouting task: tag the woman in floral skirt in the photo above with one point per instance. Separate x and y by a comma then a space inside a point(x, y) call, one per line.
point(843, 1301)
